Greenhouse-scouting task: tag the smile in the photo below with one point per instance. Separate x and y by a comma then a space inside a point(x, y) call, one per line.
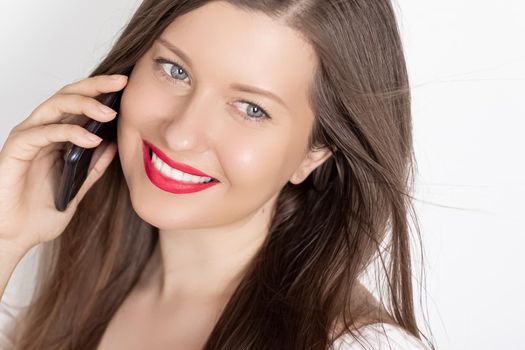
point(171, 176)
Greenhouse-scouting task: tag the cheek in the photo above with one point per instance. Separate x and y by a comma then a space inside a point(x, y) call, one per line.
point(254, 161)
point(137, 108)
point(143, 103)
point(141, 100)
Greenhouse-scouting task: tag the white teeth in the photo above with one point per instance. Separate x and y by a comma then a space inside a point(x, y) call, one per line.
point(176, 174)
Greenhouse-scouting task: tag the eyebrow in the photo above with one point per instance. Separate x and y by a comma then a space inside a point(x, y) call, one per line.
point(235, 86)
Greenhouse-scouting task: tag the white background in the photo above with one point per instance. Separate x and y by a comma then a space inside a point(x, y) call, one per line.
point(466, 63)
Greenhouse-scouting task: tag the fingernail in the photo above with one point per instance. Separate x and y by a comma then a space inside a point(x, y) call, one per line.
point(93, 137)
point(106, 110)
point(117, 76)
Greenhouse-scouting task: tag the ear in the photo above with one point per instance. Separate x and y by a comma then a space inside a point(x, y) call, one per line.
point(312, 160)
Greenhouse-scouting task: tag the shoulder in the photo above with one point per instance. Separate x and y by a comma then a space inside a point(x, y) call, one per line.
point(379, 336)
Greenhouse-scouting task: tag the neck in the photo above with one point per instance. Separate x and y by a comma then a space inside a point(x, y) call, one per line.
point(204, 263)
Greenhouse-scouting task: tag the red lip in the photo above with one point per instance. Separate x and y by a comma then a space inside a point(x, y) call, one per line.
point(168, 184)
point(182, 167)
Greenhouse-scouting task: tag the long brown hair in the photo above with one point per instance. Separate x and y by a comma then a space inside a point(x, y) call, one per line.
point(325, 231)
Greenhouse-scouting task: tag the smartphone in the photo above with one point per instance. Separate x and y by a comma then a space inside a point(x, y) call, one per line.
point(77, 159)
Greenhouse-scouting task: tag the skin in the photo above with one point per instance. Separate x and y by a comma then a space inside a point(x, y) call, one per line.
point(208, 237)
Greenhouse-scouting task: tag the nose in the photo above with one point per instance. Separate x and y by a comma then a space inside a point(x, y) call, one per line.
point(188, 128)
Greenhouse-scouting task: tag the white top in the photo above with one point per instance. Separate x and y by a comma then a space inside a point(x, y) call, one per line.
point(19, 291)
point(377, 336)
point(380, 336)
point(17, 295)
point(8, 319)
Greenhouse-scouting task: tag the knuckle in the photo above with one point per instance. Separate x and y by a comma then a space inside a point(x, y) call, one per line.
point(12, 137)
point(54, 99)
point(59, 132)
point(41, 129)
point(64, 89)
point(63, 103)
point(88, 104)
point(94, 80)
point(14, 130)
point(52, 102)
point(57, 108)
point(94, 104)
point(85, 100)
point(68, 128)
point(42, 106)
point(77, 130)
point(84, 103)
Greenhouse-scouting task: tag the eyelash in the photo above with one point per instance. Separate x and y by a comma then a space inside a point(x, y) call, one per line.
point(160, 61)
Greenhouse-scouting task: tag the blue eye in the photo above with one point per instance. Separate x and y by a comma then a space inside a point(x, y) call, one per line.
point(178, 69)
point(259, 113)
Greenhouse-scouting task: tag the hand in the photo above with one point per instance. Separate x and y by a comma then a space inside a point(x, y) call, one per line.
point(31, 161)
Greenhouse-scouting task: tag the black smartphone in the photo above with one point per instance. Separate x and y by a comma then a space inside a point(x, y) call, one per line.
point(77, 159)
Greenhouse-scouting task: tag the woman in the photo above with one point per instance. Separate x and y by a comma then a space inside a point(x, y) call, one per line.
point(298, 186)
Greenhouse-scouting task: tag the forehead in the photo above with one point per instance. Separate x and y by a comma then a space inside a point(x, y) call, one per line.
point(228, 45)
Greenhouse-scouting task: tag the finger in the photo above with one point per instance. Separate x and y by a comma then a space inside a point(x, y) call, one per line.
point(74, 119)
point(58, 148)
point(101, 159)
point(96, 85)
point(22, 147)
point(60, 106)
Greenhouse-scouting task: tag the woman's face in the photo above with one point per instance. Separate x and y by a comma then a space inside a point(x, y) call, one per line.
point(192, 111)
